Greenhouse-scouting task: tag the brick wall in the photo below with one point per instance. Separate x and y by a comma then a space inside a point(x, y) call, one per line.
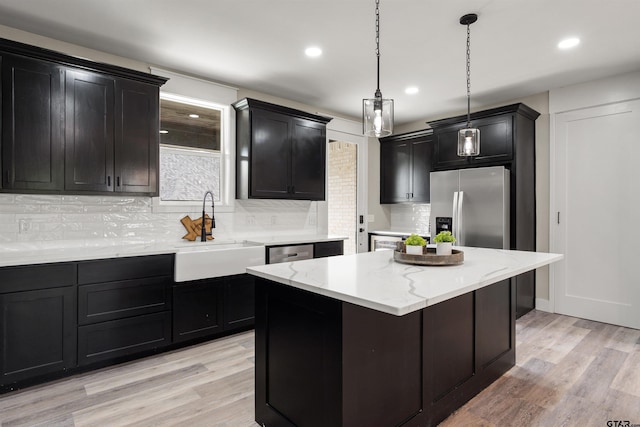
point(342, 192)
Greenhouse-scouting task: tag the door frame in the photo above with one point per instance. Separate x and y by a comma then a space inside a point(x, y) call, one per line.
point(350, 131)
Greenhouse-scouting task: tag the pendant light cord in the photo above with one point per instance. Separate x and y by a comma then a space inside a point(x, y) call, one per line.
point(378, 45)
point(468, 75)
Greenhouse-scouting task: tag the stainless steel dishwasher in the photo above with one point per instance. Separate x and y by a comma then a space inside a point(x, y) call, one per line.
point(289, 253)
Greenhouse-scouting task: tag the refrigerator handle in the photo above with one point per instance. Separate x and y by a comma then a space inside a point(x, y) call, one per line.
point(459, 237)
point(454, 214)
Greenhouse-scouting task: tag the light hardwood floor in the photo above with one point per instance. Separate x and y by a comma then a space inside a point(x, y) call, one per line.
point(569, 372)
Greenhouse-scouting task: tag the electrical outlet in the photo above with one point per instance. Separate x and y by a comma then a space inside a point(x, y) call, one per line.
point(24, 226)
point(273, 220)
point(251, 220)
point(370, 218)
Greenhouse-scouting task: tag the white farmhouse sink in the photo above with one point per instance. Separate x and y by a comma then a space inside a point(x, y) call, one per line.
point(216, 260)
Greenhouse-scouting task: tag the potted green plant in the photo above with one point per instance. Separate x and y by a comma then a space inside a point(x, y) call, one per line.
point(444, 243)
point(415, 244)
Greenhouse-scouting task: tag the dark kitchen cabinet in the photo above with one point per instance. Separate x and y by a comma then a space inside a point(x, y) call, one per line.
point(405, 165)
point(89, 132)
point(507, 138)
point(75, 126)
point(327, 249)
point(32, 124)
point(197, 309)
point(280, 152)
point(124, 307)
point(111, 134)
point(239, 302)
point(38, 327)
point(209, 307)
point(496, 144)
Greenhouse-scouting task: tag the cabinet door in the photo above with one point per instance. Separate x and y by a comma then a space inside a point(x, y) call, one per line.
point(395, 172)
point(37, 333)
point(137, 137)
point(270, 155)
point(420, 170)
point(326, 249)
point(32, 128)
point(308, 151)
point(445, 149)
point(89, 134)
point(197, 309)
point(239, 302)
point(496, 140)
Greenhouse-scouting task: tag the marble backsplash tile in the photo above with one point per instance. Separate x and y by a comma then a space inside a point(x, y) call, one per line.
point(25, 217)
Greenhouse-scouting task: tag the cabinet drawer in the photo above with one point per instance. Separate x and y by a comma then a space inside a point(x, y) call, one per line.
point(116, 300)
point(109, 340)
point(34, 277)
point(111, 270)
point(325, 249)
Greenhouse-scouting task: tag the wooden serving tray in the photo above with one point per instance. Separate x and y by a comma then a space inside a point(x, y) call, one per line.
point(429, 257)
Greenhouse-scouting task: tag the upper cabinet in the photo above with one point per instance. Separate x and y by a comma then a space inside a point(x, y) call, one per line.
point(112, 146)
point(405, 165)
point(32, 124)
point(498, 137)
point(280, 152)
point(74, 126)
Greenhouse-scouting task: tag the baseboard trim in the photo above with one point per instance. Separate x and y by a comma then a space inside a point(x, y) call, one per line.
point(544, 305)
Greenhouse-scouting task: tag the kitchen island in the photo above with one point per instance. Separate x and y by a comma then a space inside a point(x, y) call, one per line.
point(362, 340)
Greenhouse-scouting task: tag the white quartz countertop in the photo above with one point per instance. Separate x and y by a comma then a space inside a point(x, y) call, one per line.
point(398, 233)
point(25, 253)
point(374, 280)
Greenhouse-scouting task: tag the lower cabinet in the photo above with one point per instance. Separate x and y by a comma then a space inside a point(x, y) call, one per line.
point(327, 249)
point(239, 302)
point(37, 333)
point(197, 309)
point(124, 307)
point(118, 338)
point(38, 321)
point(70, 316)
point(208, 307)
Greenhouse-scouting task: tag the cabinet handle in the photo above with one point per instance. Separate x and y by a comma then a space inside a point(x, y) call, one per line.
point(108, 181)
point(293, 189)
point(117, 181)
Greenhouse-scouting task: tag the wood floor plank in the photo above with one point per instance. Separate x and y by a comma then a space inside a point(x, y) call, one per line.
point(569, 371)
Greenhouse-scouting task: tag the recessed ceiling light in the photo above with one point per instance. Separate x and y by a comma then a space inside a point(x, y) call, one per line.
point(194, 116)
point(164, 131)
point(313, 51)
point(569, 43)
point(411, 90)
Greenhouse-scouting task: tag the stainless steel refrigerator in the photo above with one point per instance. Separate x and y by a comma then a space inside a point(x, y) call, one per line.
point(473, 204)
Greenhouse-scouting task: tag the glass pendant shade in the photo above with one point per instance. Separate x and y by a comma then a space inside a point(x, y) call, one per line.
point(378, 117)
point(469, 142)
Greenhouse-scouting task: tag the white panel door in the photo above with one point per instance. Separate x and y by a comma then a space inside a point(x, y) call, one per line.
point(596, 183)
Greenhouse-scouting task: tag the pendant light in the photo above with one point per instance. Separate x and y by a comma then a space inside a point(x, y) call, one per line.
point(377, 113)
point(468, 138)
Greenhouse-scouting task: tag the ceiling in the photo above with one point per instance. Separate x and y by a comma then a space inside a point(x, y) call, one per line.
point(259, 45)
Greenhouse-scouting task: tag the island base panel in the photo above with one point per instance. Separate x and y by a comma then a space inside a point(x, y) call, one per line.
point(321, 361)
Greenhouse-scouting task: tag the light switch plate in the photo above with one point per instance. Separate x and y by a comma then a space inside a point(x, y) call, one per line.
point(370, 218)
